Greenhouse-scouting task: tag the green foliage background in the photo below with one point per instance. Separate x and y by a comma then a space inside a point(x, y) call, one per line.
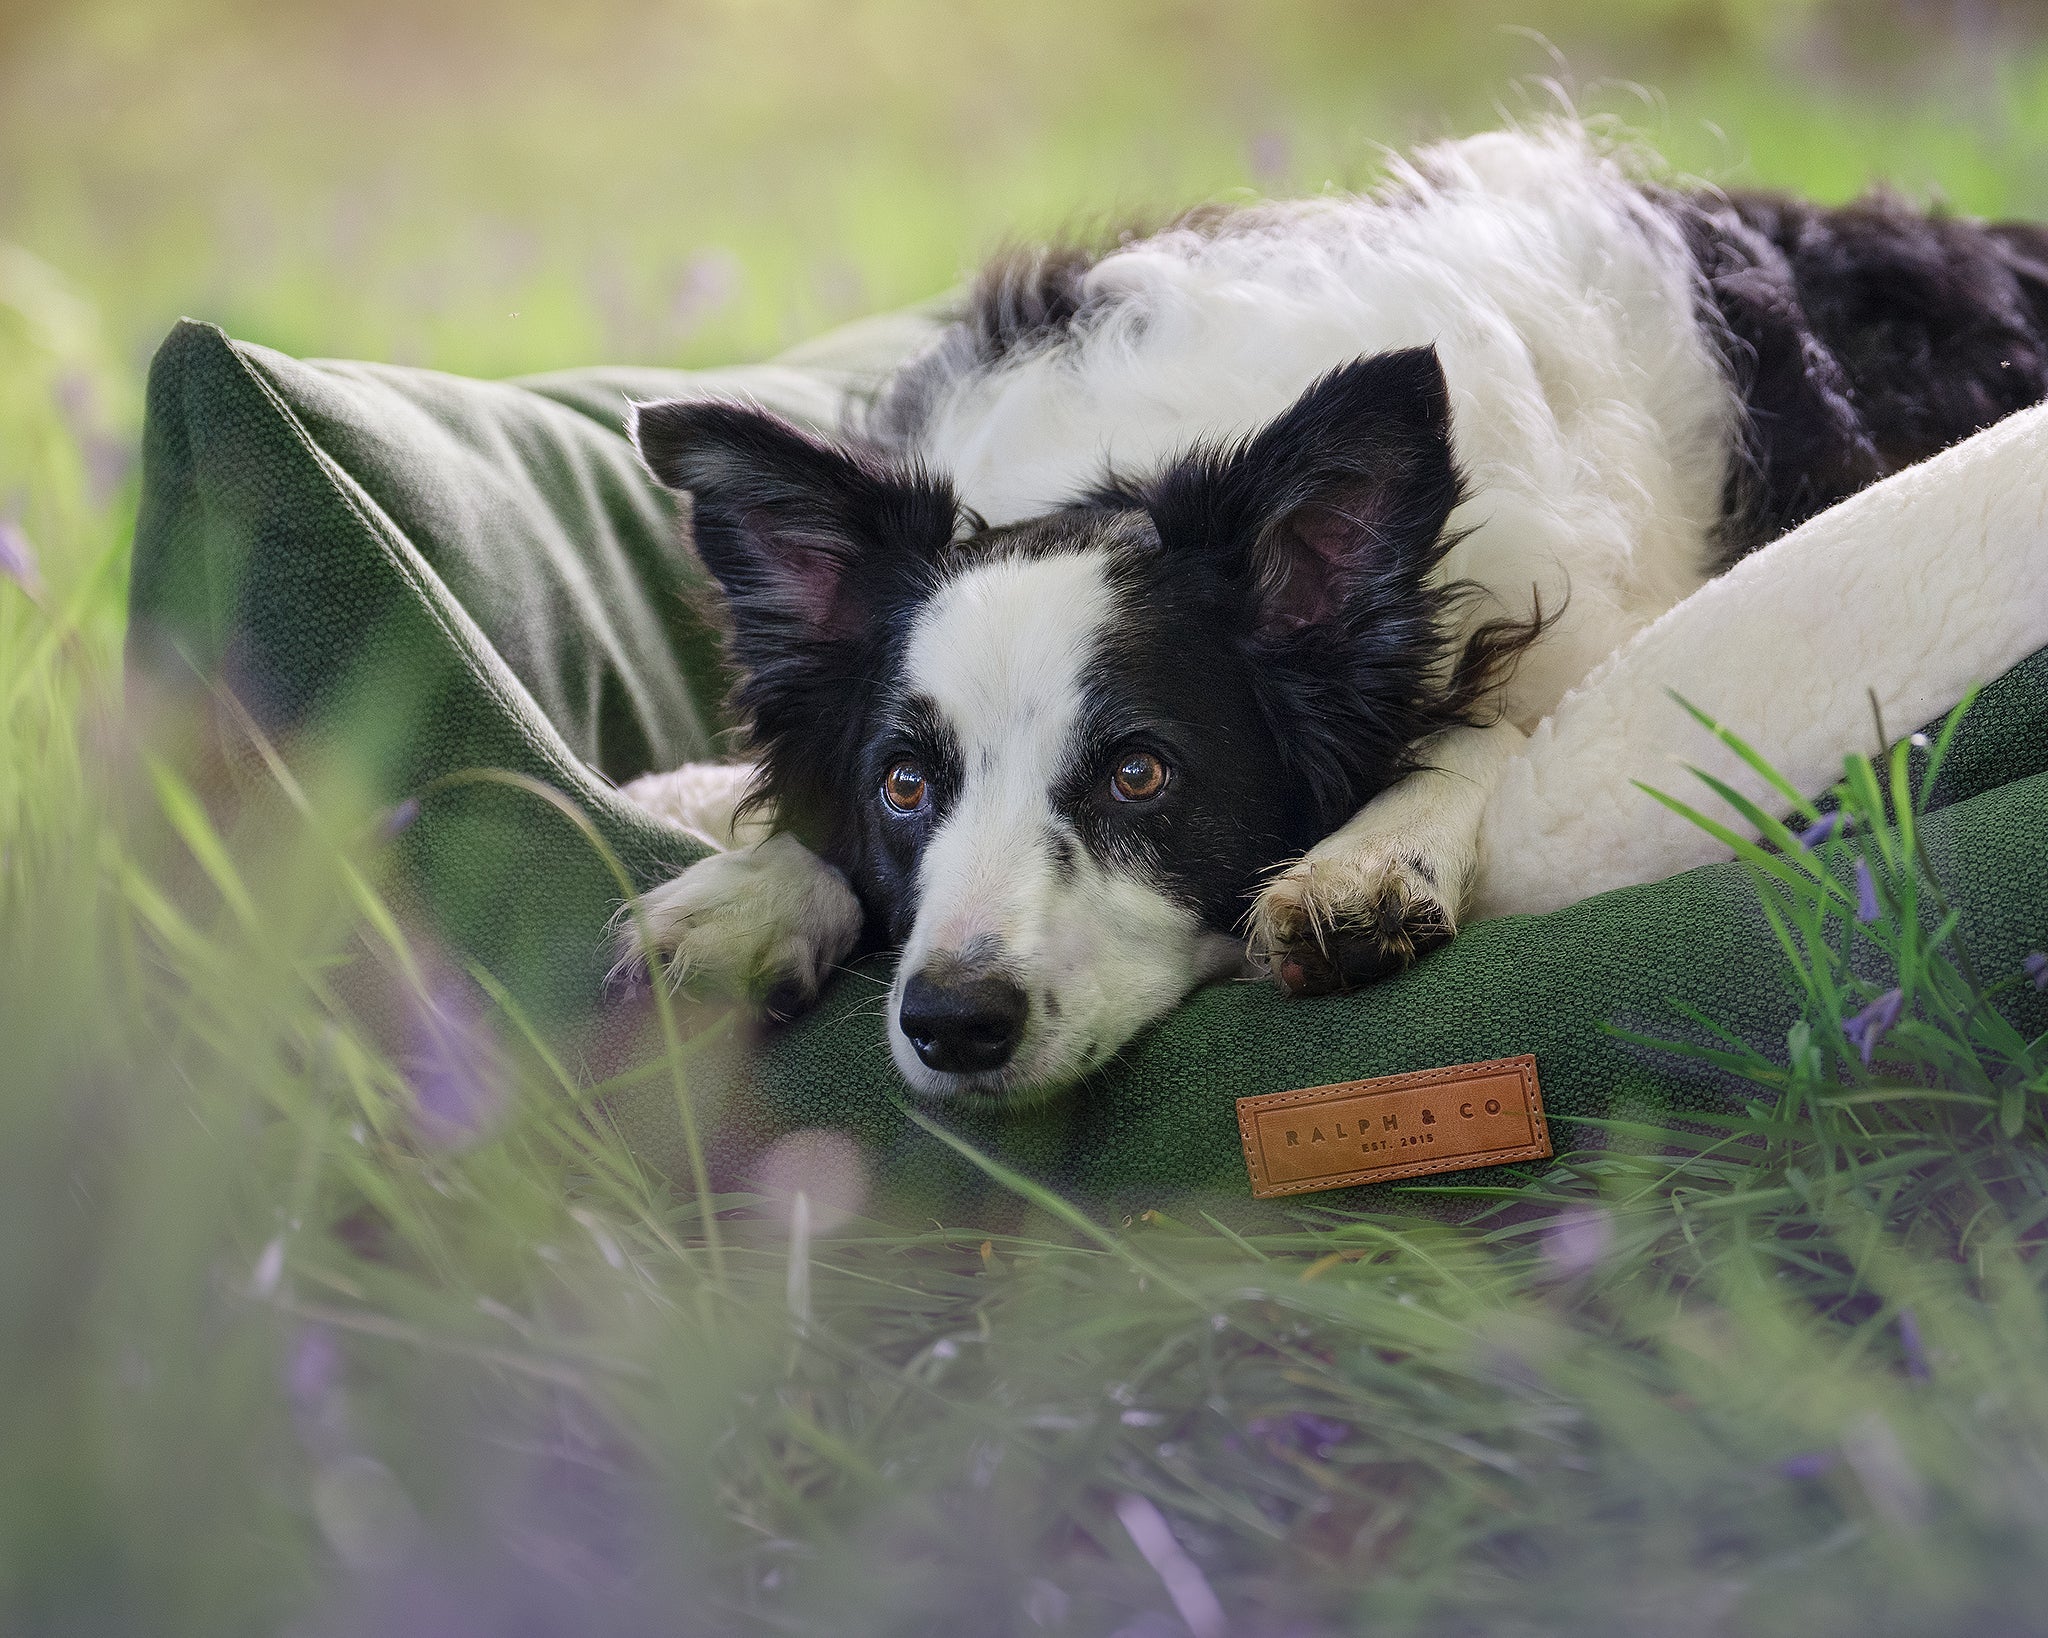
point(277, 1356)
point(519, 186)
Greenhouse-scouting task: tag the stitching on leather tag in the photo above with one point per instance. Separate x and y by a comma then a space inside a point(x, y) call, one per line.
point(1431, 1120)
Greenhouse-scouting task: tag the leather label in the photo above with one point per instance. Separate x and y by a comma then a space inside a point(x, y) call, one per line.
point(1432, 1120)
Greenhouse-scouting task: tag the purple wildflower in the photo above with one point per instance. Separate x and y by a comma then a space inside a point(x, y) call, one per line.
point(708, 284)
point(1575, 1243)
point(312, 1380)
point(2036, 969)
point(1873, 1023)
point(1271, 158)
point(1866, 893)
point(18, 558)
point(1301, 1431)
point(399, 820)
point(1824, 827)
point(314, 1366)
point(1808, 1464)
point(1910, 1345)
point(452, 1062)
point(824, 1167)
point(108, 459)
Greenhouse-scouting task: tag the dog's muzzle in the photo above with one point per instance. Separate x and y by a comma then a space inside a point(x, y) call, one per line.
point(963, 1022)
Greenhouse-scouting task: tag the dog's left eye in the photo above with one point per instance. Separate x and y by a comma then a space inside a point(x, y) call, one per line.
point(1139, 777)
point(904, 788)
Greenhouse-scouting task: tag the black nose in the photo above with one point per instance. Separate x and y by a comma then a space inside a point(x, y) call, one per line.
point(966, 1025)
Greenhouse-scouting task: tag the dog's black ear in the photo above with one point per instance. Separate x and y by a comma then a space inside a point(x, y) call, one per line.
point(786, 522)
point(1342, 497)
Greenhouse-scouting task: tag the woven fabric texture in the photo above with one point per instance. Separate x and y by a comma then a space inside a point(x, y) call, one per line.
point(428, 575)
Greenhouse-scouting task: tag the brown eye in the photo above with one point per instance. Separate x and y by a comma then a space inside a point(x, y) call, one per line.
point(903, 787)
point(1138, 778)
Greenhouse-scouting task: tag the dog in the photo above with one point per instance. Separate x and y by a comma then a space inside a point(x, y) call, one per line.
point(1170, 616)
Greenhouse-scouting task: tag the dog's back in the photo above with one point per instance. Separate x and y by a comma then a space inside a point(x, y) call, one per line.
point(1647, 383)
point(1861, 339)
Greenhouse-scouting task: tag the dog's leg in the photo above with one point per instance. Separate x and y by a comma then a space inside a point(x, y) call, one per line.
point(702, 797)
point(1369, 899)
point(766, 922)
point(764, 917)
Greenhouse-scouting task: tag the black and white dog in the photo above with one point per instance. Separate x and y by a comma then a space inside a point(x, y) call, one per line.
point(1195, 591)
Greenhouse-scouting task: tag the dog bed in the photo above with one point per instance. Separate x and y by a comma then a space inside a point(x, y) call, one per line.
point(430, 574)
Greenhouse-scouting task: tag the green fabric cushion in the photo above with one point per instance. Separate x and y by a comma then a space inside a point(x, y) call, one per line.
point(434, 574)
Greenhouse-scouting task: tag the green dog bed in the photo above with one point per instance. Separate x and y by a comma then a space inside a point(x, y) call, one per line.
point(436, 575)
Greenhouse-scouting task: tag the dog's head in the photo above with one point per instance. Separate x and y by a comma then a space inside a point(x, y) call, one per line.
point(1055, 758)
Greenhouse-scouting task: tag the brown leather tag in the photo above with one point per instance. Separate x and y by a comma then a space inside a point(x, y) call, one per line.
point(1433, 1120)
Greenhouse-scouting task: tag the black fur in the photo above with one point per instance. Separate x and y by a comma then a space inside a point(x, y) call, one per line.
point(1278, 644)
point(1861, 339)
point(1321, 532)
point(823, 553)
point(878, 851)
point(1025, 298)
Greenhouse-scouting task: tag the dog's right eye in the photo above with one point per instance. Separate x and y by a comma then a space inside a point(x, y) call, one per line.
point(904, 788)
point(1139, 777)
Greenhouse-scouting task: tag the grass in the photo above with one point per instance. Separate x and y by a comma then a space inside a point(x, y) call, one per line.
point(282, 1355)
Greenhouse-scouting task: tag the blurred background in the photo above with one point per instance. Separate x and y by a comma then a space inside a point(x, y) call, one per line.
point(494, 188)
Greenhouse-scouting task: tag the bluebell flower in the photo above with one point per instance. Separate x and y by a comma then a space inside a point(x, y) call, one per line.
point(1873, 1023)
point(2036, 969)
point(452, 1062)
point(1577, 1241)
point(18, 558)
point(1866, 893)
point(1824, 827)
point(1808, 1464)
point(399, 820)
point(1300, 1430)
point(313, 1368)
point(1913, 1350)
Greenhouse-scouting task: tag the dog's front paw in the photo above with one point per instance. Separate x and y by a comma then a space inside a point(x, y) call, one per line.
point(765, 922)
point(1334, 921)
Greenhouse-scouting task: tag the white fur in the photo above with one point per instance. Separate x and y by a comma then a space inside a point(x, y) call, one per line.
point(1431, 818)
point(703, 798)
point(1590, 416)
point(1916, 588)
point(744, 921)
point(1003, 652)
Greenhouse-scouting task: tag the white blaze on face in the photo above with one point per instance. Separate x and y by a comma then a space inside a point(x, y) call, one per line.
point(1003, 652)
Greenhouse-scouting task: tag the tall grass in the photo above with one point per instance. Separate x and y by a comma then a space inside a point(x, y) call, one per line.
point(323, 1311)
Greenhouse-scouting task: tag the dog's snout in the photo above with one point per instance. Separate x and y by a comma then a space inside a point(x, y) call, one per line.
point(963, 1025)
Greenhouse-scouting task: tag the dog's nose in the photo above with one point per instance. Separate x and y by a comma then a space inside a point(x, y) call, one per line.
point(963, 1026)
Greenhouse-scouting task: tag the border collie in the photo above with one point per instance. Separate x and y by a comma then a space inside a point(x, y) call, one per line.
point(1177, 606)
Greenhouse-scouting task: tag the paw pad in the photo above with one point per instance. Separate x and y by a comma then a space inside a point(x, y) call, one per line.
point(1324, 944)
